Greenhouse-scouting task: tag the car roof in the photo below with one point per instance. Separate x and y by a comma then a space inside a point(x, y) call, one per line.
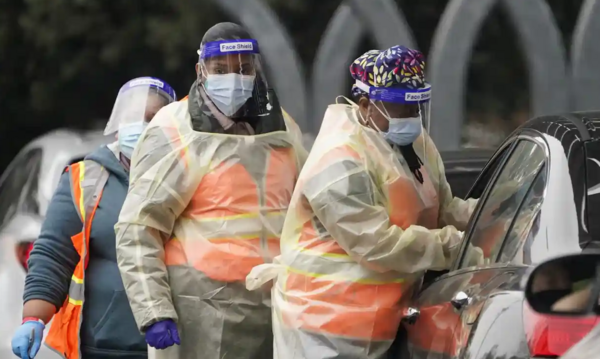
point(60, 148)
point(579, 135)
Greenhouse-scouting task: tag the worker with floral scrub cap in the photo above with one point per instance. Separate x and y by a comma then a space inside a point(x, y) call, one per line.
point(371, 212)
point(211, 180)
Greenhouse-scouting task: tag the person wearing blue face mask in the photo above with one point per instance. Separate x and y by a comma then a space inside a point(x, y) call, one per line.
point(137, 103)
point(73, 276)
point(211, 179)
point(372, 211)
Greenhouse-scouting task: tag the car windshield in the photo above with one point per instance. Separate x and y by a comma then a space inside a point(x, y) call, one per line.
point(19, 188)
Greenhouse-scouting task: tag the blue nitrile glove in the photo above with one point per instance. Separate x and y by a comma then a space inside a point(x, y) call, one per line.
point(163, 334)
point(27, 340)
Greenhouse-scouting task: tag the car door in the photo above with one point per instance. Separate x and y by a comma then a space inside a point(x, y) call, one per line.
point(437, 317)
point(437, 332)
point(500, 226)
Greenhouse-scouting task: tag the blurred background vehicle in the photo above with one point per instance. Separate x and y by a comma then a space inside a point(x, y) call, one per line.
point(538, 198)
point(26, 188)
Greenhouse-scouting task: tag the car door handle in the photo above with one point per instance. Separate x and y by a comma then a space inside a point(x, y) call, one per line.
point(460, 300)
point(410, 315)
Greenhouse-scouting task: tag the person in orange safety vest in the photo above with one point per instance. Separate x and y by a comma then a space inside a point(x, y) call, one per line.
point(211, 181)
point(73, 277)
point(371, 211)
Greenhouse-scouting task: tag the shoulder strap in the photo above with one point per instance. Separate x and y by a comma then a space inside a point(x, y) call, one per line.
point(87, 179)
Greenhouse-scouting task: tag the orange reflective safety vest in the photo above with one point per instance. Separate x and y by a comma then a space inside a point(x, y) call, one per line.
point(333, 296)
point(239, 208)
point(87, 180)
point(230, 258)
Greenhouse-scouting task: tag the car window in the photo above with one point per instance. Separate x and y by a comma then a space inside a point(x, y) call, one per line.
point(461, 182)
point(502, 201)
point(484, 177)
point(18, 191)
point(517, 246)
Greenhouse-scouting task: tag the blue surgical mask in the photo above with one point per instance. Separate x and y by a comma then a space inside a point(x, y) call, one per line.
point(129, 136)
point(229, 92)
point(403, 131)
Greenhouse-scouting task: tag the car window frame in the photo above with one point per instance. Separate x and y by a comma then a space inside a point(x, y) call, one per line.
point(503, 154)
point(510, 228)
point(500, 156)
point(492, 166)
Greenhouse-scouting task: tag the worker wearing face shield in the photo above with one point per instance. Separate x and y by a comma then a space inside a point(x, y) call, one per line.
point(371, 212)
point(211, 180)
point(73, 276)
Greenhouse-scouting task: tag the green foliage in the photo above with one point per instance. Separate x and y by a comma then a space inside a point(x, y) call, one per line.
point(63, 61)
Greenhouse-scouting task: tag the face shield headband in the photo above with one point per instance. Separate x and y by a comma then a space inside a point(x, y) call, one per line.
point(151, 82)
point(138, 101)
point(400, 95)
point(228, 47)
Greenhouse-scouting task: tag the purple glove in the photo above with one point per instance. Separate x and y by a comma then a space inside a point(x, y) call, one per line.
point(163, 334)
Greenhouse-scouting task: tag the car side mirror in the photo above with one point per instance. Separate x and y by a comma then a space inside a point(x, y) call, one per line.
point(568, 285)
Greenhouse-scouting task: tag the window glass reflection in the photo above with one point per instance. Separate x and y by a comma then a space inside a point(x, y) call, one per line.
point(508, 192)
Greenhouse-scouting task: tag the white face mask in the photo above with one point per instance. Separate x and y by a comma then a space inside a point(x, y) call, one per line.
point(229, 92)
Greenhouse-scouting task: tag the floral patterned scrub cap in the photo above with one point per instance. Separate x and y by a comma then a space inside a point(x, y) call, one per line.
point(399, 67)
point(362, 72)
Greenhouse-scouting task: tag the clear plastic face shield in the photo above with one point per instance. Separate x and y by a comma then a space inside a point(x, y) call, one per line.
point(407, 111)
point(231, 74)
point(137, 103)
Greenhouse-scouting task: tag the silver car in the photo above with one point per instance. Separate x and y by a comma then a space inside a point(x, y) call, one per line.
point(26, 188)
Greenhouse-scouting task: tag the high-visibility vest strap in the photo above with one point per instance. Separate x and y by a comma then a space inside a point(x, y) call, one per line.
point(87, 179)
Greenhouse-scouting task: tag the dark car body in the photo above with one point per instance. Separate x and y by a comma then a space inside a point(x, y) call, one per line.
point(537, 199)
point(547, 174)
point(463, 168)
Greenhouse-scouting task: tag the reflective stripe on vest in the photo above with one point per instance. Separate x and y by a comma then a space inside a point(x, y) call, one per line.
point(87, 180)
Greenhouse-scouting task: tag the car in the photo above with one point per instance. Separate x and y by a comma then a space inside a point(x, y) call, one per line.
point(538, 198)
point(26, 187)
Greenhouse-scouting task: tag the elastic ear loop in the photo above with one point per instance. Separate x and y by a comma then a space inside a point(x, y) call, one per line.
point(353, 104)
point(387, 116)
point(370, 121)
